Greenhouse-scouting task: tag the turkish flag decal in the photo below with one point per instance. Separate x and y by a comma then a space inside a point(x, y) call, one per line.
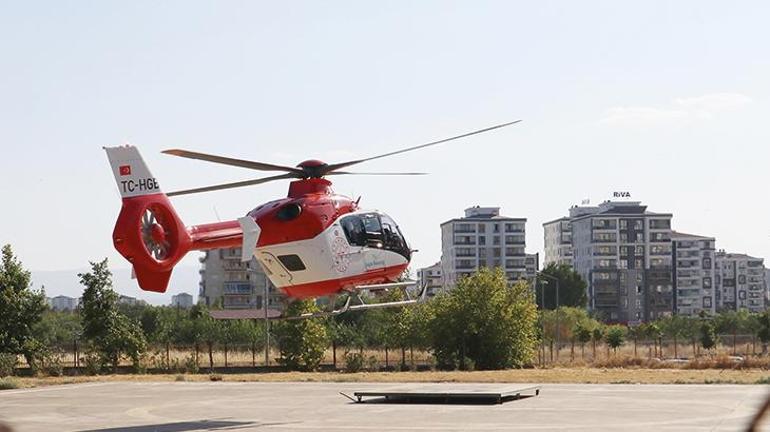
point(125, 170)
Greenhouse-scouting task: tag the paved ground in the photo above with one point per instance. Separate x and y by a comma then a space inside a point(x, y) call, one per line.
point(181, 407)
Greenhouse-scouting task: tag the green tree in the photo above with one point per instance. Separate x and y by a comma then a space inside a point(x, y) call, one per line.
point(572, 288)
point(20, 309)
point(583, 335)
point(302, 342)
point(597, 335)
point(674, 326)
point(763, 330)
point(57, 330)
point(732, 322)
point(708, 333)
point(110, 332)
point(615, 336)
point(485, 321)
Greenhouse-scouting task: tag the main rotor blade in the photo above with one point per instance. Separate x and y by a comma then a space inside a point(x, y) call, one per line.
point(376, 173)
point(233, 185)
point(332, 167)
point(260, 166)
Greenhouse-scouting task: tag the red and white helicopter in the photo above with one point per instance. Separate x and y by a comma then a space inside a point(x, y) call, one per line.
point(312, 243)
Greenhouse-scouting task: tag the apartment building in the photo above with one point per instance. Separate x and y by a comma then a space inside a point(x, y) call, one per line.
point(431, 278)
point(740, 282)
point(182, 301)
point(63, 303)
point(532, 265)
point(694, 268)
point(233, 284)
point(483, 238)
point(624, 251)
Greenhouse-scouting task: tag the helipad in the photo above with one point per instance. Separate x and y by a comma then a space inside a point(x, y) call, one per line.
point(191, 406)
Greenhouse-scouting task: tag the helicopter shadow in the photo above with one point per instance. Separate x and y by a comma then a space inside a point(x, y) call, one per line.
point(187, 426)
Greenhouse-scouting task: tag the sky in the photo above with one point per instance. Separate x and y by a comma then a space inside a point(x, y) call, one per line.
point(666, 100)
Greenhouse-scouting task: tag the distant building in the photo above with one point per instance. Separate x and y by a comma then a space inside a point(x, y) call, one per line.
point(624, 253)
point(532, 264)
point(740, 282)
point(431, 278)
point(557, 242)
point(483, 238)
point(694, 267)
point(63, 303)
point(130, 301)
point(233, 284)
point(182, 300)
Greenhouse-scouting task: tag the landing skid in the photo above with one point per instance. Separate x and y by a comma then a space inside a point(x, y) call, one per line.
point(362, 305)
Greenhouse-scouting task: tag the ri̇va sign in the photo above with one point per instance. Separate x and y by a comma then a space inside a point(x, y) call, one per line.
point(621, 194)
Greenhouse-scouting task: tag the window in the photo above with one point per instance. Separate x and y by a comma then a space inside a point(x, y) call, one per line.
point(380, 231)
point(353, 227)
point(292, 262)
point(660, 224)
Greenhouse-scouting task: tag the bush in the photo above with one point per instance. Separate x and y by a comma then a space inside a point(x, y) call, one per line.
point(180, 378)
point(8, 364)
point(190, 365)
point(354, 362)
point(50, 364)
point(8, 384)
point(92, 363)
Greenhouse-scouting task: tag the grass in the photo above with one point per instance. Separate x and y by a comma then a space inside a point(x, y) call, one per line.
point(8, 384)
point(577, 375)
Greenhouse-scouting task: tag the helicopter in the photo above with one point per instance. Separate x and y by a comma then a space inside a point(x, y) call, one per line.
point(312, 243)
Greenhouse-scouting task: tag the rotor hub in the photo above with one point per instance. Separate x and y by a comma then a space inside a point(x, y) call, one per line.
point(157, 233)
point(313, 167)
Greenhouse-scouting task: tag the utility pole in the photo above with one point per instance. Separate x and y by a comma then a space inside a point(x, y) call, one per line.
point(267, 323)
point(556, 280)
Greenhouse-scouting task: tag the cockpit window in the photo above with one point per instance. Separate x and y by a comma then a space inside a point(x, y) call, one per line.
point(376, 231)
point(392, 236)
point(354, 229)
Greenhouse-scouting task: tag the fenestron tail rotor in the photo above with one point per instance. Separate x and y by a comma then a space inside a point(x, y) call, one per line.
point(307, 169)
point(154, 235)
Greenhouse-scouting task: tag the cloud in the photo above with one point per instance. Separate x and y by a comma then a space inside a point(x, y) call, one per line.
point(678, 111)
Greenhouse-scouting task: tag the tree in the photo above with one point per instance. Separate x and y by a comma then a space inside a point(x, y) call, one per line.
point(732, 322)
point(708, 333)
point(20, 309)
point(763, 330)
point(674, 326)
point(572, 288)
point(583, 335)
point(485, 321)
point(615, 336)
point(110, 332)
point(597, 335)
point(302, 342)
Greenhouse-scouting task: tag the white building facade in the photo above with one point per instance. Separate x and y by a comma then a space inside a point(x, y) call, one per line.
point(431, 278)
point(694, 266)
point(483, 238)
point(740, 282)
point(233, 284)
point(182, 301)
